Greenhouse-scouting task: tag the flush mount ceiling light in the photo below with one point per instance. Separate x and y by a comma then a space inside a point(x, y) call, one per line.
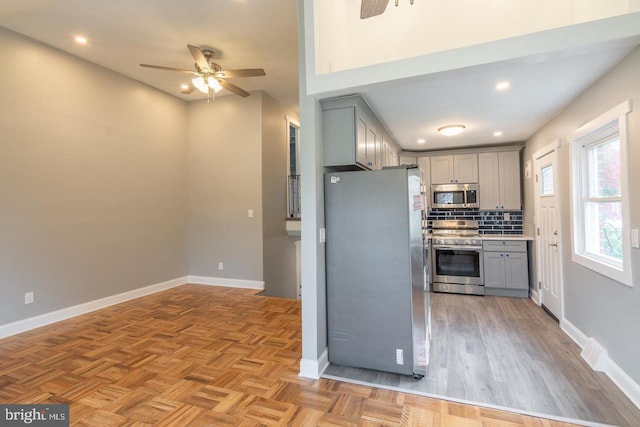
point(421, 141)
point(451, 130)
point(497, 133)
point(80, 39)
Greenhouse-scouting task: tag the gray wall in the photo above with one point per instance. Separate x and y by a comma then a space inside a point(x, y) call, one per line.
point(279, 251)
point(92, 181)
point(225, 173)
point(601, 308)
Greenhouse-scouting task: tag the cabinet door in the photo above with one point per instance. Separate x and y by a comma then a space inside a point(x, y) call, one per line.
point(516, 270)
point(424, 163)
point(509, 180)
point(371, 148)
point(361, 141)
point(407, 160)
point(489, 181)
point(465, 168)
point(494, 267)
point(379, 163)
point(441, 169)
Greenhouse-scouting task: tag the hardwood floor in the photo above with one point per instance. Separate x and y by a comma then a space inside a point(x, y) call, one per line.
point(204, 356)
point(509, 353)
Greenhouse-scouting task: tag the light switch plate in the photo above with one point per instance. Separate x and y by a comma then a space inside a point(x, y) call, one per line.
point(635, 239)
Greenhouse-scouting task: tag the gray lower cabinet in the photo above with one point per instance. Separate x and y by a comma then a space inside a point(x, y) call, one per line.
point(506, 268)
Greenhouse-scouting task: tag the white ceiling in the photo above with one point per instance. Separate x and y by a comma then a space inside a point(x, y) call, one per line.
point(263, 34)
point(539, 89)
point(124, 33)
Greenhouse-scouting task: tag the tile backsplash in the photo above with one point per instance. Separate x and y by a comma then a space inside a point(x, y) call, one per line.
point(489, 222)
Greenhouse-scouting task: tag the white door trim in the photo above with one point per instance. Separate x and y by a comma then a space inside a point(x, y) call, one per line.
point(537, 297)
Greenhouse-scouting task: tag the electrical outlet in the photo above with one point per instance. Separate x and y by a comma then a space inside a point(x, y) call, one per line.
point(28, 298)
point(220, 266)
point(323, 235)
point(507, 216)
point(399, 356)
point(250, 213)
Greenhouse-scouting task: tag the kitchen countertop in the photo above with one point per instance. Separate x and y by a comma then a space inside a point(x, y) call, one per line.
point(497, 236)
point(506, 237)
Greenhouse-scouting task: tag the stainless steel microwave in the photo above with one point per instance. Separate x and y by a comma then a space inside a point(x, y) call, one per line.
point(452, 196)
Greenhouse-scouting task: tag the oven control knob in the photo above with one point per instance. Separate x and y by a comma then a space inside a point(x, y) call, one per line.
point(467, 242)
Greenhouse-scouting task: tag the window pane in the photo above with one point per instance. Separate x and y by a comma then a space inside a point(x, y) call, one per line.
point(293, 150)
point(546, 182)
point(604, 169)
point(603, 229)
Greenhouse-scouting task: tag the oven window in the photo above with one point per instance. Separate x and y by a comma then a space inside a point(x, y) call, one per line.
point(459, 263)
point(448, 197)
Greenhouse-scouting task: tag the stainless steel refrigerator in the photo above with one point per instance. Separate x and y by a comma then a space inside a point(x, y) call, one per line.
point(377, 296)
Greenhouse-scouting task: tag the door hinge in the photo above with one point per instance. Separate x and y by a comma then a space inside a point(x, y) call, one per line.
point(539, 284)
point(536, 177)
point(538, 230)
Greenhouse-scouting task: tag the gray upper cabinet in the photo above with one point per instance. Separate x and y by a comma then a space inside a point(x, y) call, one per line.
point(353, 137)
point(461, 168)
point(499, 180)
point(408, 160)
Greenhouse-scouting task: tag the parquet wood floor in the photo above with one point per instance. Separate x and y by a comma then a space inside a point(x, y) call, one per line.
point(204, 356)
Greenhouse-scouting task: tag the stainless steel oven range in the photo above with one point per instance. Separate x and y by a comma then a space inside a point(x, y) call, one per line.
point(456, 257)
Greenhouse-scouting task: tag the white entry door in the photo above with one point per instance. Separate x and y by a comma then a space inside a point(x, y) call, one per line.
point(547, 233)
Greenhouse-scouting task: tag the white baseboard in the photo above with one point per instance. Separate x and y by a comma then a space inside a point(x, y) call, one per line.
point(574, 333)
point(230, 283)
point(534, 296)
point(597, 357)
point(313, 369)
point(9, 329)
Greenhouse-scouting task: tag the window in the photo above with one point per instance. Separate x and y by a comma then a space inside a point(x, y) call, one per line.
point(293, 170)
point(600, 208)
point(546, 183)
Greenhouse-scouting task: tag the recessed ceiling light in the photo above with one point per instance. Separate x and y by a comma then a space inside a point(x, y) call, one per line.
point(502, 85)
point(497, 133)
point(80, 39)
point(184, 86)
point(451, 130)
point(422, 141)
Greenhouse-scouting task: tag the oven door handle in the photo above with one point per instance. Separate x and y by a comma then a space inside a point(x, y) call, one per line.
point(457, 248)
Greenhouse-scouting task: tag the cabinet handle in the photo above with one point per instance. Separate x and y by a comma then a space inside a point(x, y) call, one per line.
point(553, 244)
point(507, 255)
point(501, 255)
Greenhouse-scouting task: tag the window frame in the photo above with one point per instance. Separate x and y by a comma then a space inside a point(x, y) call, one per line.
point(581, 140)
point(292, 200)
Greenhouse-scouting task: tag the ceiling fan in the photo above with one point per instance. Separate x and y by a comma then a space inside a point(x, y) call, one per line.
point(209, 77)
point(370, 8)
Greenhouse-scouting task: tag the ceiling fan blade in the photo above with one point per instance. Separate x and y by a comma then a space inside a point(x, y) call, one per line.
point(370, 8)
point(233, 88)
point(161, 67)
point(199, 57)
point(249, 72)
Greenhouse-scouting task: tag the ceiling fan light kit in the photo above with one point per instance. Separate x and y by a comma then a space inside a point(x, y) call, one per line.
point(371, 8)
point(210, 78)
